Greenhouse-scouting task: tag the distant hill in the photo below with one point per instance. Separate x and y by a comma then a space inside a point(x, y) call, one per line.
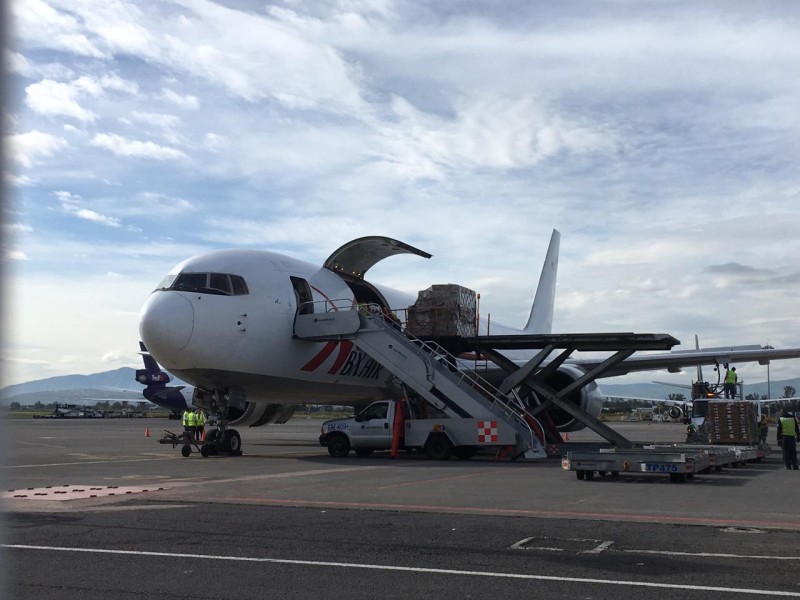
point(657, 390)
point(109, 385)
point(122, 378)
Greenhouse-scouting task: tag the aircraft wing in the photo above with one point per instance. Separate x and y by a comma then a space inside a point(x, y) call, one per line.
point(676, 360)
point(640, 399)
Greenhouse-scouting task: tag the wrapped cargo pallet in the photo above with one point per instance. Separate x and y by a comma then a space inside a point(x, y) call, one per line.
point(447, 310)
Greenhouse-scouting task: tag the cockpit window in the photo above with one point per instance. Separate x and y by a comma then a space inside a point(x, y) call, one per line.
point(206, 283)
point(219, 282)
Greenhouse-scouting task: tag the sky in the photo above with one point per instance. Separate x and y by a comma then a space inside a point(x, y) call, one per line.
point(660, 138)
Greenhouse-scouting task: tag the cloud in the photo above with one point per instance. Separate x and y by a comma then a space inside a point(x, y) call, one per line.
point(28, 148)
point(184, 101)
point(46, 27)
point(52, 98)
point(121, 146)
point(70, 204)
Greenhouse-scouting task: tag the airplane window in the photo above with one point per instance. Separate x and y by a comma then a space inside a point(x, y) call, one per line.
point(206, 283)
point(219, 282)
point(190, 282)
point(167, 282)
point(239, 286)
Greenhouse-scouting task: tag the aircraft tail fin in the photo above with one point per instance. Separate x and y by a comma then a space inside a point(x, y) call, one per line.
point(152, 376)
point(540, 319)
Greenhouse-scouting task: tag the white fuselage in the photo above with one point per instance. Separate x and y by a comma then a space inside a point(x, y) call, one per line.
point(245, 342)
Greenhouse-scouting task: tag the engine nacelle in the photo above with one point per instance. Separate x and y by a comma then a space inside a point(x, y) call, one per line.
point(675, 413)
point(242, 413)
point(587, 398)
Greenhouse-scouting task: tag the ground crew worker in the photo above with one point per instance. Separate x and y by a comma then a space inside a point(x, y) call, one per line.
point(199, 425)
point(730, 382)
point(788, 436)
point(185, 420)
point(191, 421)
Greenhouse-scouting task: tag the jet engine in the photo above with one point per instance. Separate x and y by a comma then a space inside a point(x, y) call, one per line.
point(587, 398)
point(242, 413)
point(675, 412)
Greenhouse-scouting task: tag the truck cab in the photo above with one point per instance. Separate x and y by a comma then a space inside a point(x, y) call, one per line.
point(422, 427)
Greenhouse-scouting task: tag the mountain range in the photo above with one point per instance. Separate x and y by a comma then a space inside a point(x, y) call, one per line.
point(120, 384)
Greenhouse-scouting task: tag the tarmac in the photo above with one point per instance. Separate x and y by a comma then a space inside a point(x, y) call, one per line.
point(95, 509)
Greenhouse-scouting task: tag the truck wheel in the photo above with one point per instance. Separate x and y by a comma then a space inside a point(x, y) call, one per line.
point(364, 451)
point(338, 445)
point(186, 451)
point(438, 447)
point(465, 452)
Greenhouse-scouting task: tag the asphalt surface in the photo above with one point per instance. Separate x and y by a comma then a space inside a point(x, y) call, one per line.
point(127, 517)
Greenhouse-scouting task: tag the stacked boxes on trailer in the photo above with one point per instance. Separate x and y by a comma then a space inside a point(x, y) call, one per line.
point(732, 422)
point(447, 310)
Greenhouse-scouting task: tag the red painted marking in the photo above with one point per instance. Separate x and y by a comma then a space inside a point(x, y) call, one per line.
point(344, 350)
point(556, 514)
point(320, 358)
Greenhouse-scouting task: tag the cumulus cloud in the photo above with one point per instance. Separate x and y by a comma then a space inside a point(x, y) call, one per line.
point(121, 146)
point(184, 101)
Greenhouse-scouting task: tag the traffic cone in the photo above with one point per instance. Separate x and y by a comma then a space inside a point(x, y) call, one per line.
point(203, 435)
point(566, 436)
point(146, 432)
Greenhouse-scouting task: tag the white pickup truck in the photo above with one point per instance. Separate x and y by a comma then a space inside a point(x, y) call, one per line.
point(440, 438)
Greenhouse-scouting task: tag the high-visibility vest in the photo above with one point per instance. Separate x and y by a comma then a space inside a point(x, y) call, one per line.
point(185, 419)
point(730, 377)
point(788, 426)
point(200, 419)
point(190, 419)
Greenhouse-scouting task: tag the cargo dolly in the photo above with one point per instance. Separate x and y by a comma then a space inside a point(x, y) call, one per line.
point(679, 464)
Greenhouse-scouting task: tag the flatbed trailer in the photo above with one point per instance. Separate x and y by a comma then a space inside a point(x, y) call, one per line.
point(679, 461)
point(680, 465)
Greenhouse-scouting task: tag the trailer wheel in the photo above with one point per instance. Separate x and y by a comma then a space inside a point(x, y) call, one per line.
point(186, 450)
point(438, 447)
point(205, 450)
point(589, 475)
point(580, 473)
point(338, 445)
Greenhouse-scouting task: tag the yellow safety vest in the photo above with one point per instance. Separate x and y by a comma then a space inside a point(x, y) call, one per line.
point(185, 419)
point(200, 419)
point(788, 426)
point(190, 419)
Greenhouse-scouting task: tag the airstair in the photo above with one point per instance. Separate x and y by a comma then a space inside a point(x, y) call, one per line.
point(426, 368)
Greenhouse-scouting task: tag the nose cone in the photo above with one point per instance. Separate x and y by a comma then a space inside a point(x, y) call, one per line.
point(166, 322)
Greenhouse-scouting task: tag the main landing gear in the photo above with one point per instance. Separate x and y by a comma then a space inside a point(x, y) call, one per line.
point(221, 441)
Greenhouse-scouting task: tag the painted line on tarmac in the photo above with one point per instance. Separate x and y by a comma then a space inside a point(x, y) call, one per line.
point(90, 462)
point(427, 482)
point(552, 514)
point(711, 555)
point(421, 570)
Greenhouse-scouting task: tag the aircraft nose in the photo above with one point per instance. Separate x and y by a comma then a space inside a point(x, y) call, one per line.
point(166, 322)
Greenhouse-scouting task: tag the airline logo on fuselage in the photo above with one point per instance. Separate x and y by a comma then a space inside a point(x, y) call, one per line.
point(349, 362)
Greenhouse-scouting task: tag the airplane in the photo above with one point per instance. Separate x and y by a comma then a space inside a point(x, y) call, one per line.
point(176, 399)
point(224, 322)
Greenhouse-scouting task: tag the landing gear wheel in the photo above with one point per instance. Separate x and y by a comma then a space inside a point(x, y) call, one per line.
point(465, 452)
point(338, 445)
point(439, 447)
point(364, 451)
point(186, 450)
point(231, 442)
